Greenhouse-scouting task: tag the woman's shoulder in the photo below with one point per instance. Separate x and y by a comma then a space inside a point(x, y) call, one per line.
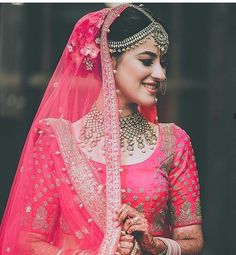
point(172, 129)
point(49, 124)
point(48, 128)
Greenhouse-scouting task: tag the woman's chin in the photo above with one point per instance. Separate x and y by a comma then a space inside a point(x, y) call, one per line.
point(147, 103)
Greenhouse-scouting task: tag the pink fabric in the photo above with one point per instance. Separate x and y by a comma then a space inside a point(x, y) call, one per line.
point(52, 222)
point(55, 201)
point(63, 203)
point(149, 113)
point(73, 88)
point(149, 192)
point(168, 195)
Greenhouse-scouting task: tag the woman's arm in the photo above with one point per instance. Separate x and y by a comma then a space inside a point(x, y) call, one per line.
point(190, 239)
point(36, 244)
point(183, 205)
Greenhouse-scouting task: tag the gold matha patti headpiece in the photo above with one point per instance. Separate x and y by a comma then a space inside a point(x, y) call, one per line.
point(154, 29)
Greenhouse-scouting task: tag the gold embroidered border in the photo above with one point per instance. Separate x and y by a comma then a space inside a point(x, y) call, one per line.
point(80, 173)
point(113, 190)
point(168, 145)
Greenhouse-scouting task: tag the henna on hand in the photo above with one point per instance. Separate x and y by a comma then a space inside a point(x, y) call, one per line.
point(135, 223)
point(151, 245)
point(190, 239)
point(124, 213)
point(126, 245)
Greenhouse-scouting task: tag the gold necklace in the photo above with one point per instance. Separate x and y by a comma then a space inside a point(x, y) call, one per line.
point(134, 131)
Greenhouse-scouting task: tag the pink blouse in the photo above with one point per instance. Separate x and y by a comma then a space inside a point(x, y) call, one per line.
point(166, 192)
point(164, 187)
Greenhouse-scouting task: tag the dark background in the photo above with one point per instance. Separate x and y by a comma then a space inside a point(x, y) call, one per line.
point(201, 94)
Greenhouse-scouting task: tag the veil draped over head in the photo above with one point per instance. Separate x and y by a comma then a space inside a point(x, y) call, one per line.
point(84, 70)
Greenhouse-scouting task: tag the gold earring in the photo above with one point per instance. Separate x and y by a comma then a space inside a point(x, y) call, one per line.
point(163, 87)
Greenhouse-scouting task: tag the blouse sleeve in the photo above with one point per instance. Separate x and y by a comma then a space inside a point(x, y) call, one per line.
point(184, 194)
point(44, 199)
point(43, 209)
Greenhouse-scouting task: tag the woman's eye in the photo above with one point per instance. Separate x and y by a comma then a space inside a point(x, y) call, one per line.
point(147, 62)
point(164, 63)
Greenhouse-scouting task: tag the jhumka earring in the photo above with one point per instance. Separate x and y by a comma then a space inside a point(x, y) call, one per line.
point(163, 87)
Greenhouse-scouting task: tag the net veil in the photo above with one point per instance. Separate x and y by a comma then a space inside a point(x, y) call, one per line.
point(82, 74)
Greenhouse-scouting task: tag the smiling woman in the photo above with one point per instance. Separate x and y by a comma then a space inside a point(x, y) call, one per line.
point(139, 75)
point(99, 174)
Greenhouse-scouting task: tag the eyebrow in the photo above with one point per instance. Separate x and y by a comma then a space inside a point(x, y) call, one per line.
point(150, 53)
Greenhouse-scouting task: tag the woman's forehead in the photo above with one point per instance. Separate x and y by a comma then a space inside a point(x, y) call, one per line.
point(148, 46)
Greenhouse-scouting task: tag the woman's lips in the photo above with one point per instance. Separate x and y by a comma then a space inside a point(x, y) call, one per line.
point(151, 88)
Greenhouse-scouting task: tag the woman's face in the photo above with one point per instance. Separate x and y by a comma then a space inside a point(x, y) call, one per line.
point(139, 73)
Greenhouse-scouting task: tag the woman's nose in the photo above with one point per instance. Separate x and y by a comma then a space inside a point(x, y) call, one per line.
point(158, 72)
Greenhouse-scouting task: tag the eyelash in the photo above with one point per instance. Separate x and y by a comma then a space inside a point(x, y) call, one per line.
point(147, 62)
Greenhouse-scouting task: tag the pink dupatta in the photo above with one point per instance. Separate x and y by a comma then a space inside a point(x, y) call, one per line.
point(53, 167)
point(84, 69)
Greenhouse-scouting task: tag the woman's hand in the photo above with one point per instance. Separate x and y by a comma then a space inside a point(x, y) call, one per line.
point(126, 244)
point(131, 220)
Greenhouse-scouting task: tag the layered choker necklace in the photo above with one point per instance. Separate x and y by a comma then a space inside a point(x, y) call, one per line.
point(134, 131)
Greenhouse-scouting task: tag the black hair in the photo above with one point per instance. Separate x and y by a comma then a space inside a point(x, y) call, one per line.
point(128, 23)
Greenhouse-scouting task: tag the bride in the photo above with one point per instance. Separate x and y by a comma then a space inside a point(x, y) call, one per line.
point(98, 174)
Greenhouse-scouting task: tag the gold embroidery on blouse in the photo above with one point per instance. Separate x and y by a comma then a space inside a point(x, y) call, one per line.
point(198, 209)
point(140, 208)
point(123, 196)
point(172, 213)
point(168, 141)
point(28, 209)
point(84, 181)
point(141, 190)
point(79, 234)
point(40, 219)
point(166, 165)
point(186, 214)
point(64, 226)
point(158, 221)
